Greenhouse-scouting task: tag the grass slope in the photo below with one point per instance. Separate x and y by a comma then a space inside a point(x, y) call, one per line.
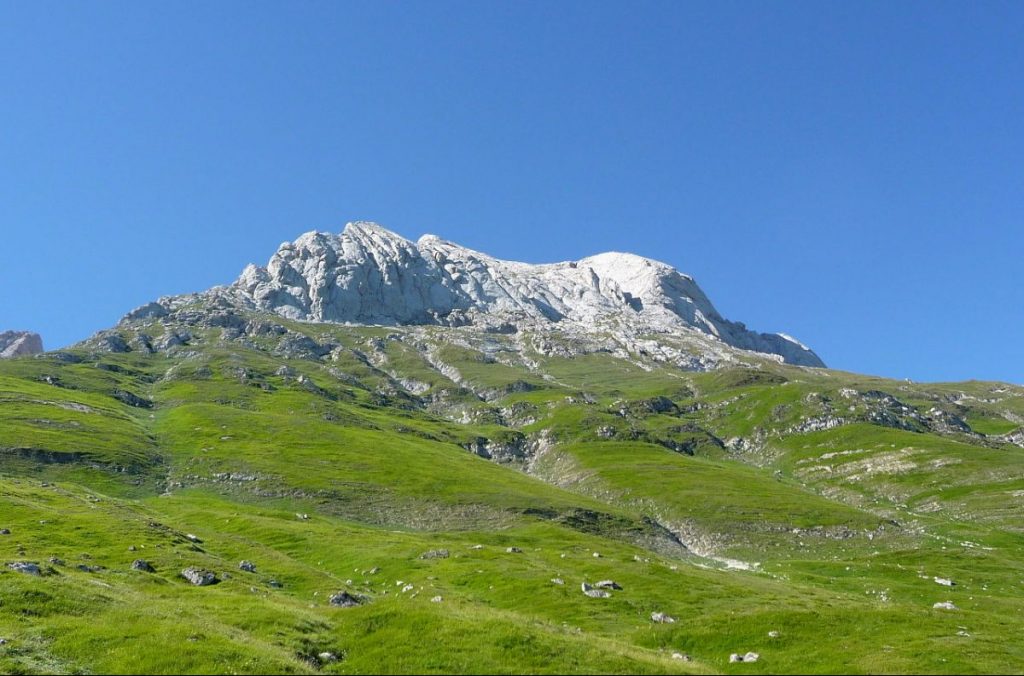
point(842, 496)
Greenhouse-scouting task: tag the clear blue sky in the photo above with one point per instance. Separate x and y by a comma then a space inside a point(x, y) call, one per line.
point(848, 173)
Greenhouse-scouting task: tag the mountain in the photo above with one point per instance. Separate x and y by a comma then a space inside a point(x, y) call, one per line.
point(374, 456)
point(370, 275)
point(18, 343)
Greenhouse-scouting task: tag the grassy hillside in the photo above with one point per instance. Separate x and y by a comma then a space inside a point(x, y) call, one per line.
point(800, 514)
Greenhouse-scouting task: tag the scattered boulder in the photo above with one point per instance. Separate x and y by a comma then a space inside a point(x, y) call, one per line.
point(192, 538)
point(55, 561)
point(662, 618)
point(5, 531)
point(435, 554)
point(436, 599)
point(25, 567)
point(945, 605)
point(773, 634)
point(608, 584)
point(681, 656)
point(327, 657)
point(143, 565)
point(199, 577)
point(594, 593)
point(345, 600)
point(514, 550)
point(274, 584)
point(945, 582)
point(557, 580)
point(247, 566)
point(748, 657)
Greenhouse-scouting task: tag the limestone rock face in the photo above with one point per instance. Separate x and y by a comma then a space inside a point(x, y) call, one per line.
point(19, 343)
point(369, 275)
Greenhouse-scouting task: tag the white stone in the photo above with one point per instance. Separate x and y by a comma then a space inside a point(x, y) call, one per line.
point(748, 657)
point(19, 343)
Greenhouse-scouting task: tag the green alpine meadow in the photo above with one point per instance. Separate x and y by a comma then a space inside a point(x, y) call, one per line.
point(600, 476)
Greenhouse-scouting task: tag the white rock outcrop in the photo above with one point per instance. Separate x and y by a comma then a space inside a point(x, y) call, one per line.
point(370, 275)
point(19, 343)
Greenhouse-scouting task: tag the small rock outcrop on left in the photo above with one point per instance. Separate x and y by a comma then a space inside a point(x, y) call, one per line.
point(19, 343)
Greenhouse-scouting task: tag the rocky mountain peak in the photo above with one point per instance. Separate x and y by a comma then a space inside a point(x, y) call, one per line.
point(19, 343)
point(368, 274)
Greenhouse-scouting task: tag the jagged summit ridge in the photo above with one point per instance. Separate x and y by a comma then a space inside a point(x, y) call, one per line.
point(370, 275)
